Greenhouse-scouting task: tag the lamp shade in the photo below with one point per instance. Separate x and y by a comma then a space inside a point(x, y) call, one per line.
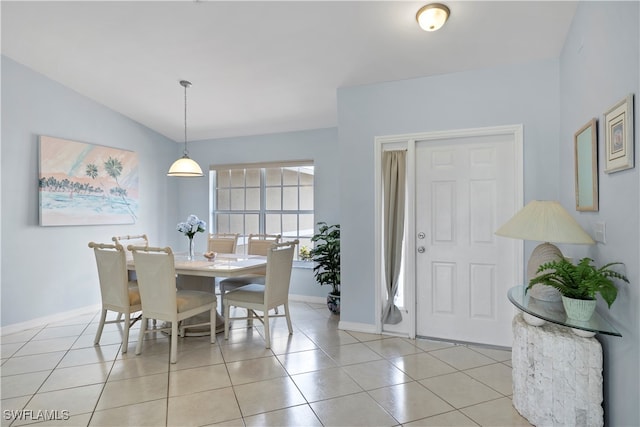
point(545, 221)
point(432, 16)
point(185, 167)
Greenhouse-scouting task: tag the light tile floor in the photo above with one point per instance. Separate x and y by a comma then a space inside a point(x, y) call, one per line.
point(319, 376)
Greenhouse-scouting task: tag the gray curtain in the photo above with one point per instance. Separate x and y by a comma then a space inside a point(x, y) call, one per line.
point(394, 164)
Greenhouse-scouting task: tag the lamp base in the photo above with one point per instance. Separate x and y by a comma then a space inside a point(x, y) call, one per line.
point(543, 253)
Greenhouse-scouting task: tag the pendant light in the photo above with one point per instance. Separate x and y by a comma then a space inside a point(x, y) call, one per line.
point(184, 166)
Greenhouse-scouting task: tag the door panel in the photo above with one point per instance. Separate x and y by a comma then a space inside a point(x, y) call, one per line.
point(465, 188)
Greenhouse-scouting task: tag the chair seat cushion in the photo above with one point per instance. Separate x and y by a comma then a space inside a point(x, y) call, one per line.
point(253, 293)
point(134, 294)
point(187, 300)
point(243, 280)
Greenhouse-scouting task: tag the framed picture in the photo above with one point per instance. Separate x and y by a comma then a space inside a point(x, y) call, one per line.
point(86, 184)
point(586, 167)
point(618, 133)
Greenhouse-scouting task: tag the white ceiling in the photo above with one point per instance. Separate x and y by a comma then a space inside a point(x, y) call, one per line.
point(262, 67)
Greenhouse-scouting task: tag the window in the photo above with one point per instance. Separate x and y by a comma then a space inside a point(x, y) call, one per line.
point(265, 199)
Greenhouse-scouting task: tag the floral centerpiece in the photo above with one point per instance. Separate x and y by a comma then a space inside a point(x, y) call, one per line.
point(189, 228)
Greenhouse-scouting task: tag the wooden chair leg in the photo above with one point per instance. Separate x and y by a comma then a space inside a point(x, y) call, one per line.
point(174, 341)
point(143, 330)
point(103, 317)
point(267, 336)
point(226, 321)
point(212, 324)
point(286, 312)
point(125, 338)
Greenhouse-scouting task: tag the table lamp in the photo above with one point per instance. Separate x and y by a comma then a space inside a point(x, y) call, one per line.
point(544, 221)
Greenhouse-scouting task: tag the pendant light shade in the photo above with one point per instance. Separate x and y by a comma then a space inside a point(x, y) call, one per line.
point(184, 166)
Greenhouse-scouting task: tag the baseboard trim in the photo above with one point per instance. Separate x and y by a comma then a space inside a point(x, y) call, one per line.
point(357, 327)
point(58, 317)
point(307, 298)
point(41, 321)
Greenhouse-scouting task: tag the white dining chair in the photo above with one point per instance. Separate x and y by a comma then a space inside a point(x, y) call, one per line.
point(257, 244)
point(224, 243)
point(262, 298)
point(161, 299)
point(125, 241)
point(131, 239)
point(118, 293)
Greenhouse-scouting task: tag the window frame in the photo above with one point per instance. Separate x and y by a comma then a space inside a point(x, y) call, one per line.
point(262, 213)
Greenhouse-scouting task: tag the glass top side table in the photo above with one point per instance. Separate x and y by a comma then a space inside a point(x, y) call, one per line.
point(554, 312)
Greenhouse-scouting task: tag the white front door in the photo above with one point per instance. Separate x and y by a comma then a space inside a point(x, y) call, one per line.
point(466, 187)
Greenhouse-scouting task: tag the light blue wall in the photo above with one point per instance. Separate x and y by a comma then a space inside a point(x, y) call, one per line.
point(600, 65)
point(527, 94)
point(62, 276)
point(49, 270)
point(320, 145)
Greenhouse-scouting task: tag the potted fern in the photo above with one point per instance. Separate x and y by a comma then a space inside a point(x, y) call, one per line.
point(578, 284)
point(326, 255)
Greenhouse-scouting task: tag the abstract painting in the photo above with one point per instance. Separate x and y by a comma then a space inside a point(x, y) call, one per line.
point(86, 184)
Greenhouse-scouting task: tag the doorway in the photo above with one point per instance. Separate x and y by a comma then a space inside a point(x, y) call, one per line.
point(461, 186)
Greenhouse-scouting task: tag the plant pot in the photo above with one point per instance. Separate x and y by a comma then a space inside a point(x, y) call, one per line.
point(333, 303)
point(578, 309)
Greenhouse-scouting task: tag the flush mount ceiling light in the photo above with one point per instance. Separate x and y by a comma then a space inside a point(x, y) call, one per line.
point(432, 16)
point(184, 166)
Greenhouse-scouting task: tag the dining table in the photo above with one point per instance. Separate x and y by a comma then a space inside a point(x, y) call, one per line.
point(199, 274)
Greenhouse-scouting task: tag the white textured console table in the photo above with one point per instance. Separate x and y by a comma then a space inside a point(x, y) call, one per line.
point(557, 374)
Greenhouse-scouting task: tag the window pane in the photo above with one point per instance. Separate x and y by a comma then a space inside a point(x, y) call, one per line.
point(222, 178)
point(272, 224)
point(306, 176)
point(273, 199)
point(306, 225)
point(290, 176)
point(305, 242)
point(237, 200)
point(253, 199)
point(222, 224)
point(237, 178)
point(222, 201)
point(290, 196)
point(306, 198)
point(236, 223)
point(252, 192)
point(253, 177)
point(273, 176)
point(290, 225)
point(252, 224)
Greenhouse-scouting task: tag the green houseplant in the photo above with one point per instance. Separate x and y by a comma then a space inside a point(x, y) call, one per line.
point(579, 283)
point(326, 255)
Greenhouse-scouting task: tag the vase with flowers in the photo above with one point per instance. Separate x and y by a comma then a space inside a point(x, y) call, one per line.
point(189, 228)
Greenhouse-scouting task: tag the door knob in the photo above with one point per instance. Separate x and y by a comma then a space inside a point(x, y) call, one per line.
point(421, 249)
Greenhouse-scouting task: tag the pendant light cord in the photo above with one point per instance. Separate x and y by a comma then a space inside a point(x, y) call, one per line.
point(185, 84)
